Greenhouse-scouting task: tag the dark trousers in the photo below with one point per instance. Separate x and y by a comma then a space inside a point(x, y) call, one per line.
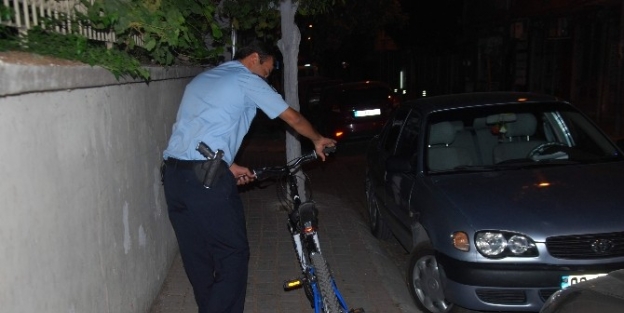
point(212, 236)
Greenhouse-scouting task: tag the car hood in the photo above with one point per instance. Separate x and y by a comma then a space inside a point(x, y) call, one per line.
point(555, 200)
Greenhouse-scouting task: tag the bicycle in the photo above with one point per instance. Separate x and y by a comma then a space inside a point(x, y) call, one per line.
point(317, 279)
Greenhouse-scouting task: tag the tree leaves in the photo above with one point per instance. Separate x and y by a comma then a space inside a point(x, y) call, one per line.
point(164, 30)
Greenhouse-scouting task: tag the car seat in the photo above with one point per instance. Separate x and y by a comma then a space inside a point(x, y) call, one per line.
point(442, 156)
point(517, 141)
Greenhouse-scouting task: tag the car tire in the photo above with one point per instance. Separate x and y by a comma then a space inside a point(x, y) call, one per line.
point(425, 282)
point(377, 225)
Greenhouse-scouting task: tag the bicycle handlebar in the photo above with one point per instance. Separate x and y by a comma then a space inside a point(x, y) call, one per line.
point(276, 171)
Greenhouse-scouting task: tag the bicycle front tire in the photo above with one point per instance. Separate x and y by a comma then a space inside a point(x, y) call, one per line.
point(324, 280)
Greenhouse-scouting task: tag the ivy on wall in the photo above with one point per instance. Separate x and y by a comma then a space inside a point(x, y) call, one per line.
point(160, 32)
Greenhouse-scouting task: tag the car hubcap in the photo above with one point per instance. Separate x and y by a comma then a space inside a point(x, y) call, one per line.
point(427, 285)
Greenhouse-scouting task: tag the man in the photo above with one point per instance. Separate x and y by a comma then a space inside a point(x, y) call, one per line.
point(217, 109)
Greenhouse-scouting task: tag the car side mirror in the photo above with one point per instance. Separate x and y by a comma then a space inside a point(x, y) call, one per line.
point(398, 164)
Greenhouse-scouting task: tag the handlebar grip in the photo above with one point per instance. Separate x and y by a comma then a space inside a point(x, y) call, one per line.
point(258, 173)
point(329, 150)
point(308, 157)
point(267, 172)
point(313, 156)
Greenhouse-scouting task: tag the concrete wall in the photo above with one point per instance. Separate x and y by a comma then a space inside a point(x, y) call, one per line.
point(83, 224)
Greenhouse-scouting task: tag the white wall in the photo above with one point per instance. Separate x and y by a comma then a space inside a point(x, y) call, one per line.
point(83, 224)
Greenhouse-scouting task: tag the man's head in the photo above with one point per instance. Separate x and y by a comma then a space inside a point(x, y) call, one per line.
point(257, 58)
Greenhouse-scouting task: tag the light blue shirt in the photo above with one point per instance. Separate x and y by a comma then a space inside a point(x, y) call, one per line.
point(217, 108)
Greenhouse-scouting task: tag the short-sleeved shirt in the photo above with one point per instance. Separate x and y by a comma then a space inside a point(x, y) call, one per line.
point(217, 108)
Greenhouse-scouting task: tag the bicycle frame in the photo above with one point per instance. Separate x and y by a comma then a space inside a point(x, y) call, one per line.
point(317, 280)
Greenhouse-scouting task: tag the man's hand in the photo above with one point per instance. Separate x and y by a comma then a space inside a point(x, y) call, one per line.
point(321, 144)
point(242, 174)
point(299, 123)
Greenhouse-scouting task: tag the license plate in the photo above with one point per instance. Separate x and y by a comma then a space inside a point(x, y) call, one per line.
point(567, 281)
point(362, 113)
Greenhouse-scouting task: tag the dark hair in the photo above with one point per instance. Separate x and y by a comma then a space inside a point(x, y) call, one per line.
point(261, 48)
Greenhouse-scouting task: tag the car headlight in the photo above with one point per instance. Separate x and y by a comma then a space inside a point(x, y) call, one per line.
point(499, 244)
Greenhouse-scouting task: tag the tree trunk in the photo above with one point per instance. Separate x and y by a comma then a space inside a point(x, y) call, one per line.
point(289, 46)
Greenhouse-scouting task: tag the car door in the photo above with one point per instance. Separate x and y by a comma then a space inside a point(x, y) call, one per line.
point(400, 176)
point(384, 147)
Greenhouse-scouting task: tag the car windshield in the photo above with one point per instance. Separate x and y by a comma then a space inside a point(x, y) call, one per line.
point(496, 137)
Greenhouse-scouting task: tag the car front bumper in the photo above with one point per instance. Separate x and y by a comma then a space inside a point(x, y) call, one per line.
point(507, 286)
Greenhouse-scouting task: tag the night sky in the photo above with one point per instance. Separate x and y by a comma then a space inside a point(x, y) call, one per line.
point(431, 23)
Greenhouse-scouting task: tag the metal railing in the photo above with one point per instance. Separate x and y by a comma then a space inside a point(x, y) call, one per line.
point(30, 13)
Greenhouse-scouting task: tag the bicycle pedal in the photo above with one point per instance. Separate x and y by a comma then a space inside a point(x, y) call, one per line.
point(358, 310)
point(292, 284)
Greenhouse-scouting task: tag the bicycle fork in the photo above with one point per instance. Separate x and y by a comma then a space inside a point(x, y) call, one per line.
point(297, 283)
point(309, 275)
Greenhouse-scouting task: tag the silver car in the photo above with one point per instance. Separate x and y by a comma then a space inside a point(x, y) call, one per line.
point(501, 198)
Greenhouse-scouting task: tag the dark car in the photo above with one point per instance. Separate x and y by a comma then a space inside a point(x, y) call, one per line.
point(310, 89)
point(499, 197)
point(604, 294)
point(356, 110)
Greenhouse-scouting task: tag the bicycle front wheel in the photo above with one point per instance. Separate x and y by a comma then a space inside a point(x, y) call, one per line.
point(324, 280)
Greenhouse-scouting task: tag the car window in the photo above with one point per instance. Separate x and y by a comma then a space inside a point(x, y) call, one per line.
point(407, 145)
point(582, 135)
point(392, 131)
point(513, 135)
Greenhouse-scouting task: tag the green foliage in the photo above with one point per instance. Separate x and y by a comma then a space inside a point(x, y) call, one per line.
point(335, 20)
point(168, 28)
point(167, 32)
point(5, 13)
point(163, 32)
point(315, 7)
point(253, 15)
point(263, 16)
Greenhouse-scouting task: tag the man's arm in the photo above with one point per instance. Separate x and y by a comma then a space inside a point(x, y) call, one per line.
point(300, 124)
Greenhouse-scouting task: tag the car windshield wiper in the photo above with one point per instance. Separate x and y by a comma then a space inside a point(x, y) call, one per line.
point(515, 164)
point(528, 163)
point(467, 168)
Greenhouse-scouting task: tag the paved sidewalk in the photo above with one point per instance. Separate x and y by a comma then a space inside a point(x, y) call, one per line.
point(365, 275)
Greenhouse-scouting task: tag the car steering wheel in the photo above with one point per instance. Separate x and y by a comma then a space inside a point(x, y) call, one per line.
point(542, 147)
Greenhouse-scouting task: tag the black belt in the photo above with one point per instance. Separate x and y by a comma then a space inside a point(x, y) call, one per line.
point(182, 164)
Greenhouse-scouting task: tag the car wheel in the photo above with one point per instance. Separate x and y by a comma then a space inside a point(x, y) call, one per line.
point(425, 281)
point(377, 225)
